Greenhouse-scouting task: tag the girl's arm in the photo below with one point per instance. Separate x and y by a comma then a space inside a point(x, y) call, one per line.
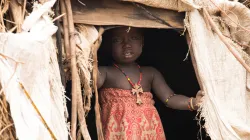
point(101, 76)
point(167, 96)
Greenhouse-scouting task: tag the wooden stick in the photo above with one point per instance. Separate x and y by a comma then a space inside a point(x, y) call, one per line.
point(38, 112)
point(16, 10)
point(24, 9)
point(95, 74)
point(81, 112)
point(58, 17)
point(223, 39)
point(9, 21)
point(6, 127)
point(73, 69)
point(59, 44)
point(2, 23)
point(65, 30)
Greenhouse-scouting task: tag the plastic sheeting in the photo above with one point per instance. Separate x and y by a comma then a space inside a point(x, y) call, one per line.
point(38, 72)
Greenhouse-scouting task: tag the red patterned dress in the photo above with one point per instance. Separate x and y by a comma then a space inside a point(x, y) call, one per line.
point(123, 119)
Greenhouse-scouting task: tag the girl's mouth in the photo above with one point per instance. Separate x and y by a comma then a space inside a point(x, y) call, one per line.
point(127, 54)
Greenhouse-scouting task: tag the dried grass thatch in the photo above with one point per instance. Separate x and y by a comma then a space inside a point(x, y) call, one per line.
point(7, 130)
point(12, 14)
point(245, 2)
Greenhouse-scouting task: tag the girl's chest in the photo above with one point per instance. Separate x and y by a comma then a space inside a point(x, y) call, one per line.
point(127, 81)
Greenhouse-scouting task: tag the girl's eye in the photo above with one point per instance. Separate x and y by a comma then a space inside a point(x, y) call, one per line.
point(116, 40)
point(135, 37)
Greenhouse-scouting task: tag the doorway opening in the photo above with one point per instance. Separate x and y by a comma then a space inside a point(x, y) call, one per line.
point(166, 50)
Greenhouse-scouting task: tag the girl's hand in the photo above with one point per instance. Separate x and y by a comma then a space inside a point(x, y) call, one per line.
point(198, 100)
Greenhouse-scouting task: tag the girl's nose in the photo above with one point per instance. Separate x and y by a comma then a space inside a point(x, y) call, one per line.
point(126, 43)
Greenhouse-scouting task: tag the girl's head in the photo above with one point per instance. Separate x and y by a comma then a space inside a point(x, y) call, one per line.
point(126, 44)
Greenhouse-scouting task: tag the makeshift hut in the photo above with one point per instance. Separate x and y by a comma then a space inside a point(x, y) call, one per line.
point(33, 101)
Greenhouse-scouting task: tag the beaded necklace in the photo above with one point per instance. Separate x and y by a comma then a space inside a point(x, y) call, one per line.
point(136, 88)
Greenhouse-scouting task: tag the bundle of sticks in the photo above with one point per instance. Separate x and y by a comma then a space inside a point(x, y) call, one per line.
point(84, 71)
point(7, 130)
point(84, 78)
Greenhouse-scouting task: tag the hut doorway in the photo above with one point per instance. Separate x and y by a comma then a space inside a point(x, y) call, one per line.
point(166, 50)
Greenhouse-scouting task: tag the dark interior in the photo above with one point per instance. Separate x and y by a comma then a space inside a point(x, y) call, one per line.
point(165, 50)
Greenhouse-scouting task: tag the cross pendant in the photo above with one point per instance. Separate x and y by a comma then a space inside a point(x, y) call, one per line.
point(137, 89)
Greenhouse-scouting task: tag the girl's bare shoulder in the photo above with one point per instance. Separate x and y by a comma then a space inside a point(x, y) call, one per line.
point(105, 69)
point(148, 69)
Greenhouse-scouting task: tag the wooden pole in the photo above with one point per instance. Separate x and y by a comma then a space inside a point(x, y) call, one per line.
point(73, 68)
point(95, 73)
point(65, 30)
point(17, 14)
point(81, 112)
point(59, 44)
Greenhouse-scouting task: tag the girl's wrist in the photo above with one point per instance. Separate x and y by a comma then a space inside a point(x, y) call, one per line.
point(195, 104)
point(192, 104)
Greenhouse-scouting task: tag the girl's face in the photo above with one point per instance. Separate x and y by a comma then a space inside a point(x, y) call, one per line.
point(126, 44)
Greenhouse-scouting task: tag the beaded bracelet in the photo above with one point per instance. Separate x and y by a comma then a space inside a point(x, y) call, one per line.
point(190, 108)
point(169, 98)
point(189, 104)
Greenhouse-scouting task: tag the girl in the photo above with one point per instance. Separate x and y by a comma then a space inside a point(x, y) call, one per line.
point(127, 106)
